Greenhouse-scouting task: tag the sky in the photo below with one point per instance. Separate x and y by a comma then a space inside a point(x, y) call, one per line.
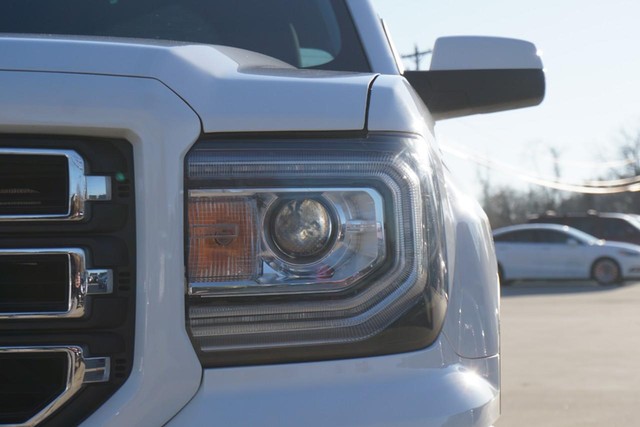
point(591, 54)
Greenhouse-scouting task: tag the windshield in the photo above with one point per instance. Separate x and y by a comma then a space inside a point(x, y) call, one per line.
point(634, 219)
point(304, 33)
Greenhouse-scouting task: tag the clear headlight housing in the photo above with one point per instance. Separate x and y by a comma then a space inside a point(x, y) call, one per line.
point(286, 240)
point(302, 249)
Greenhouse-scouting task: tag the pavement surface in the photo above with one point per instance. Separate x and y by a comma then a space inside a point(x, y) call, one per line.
point(570, 355)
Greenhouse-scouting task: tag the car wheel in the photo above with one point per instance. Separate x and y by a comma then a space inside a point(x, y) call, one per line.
point(503, 282)
point(606, 271)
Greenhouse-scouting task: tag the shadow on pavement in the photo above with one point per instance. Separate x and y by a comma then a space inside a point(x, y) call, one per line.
point(558, 287)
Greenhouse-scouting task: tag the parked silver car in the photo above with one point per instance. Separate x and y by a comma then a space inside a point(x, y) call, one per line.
point(552, 251)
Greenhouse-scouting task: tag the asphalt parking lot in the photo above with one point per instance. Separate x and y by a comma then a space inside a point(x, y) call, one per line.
point(570, 355)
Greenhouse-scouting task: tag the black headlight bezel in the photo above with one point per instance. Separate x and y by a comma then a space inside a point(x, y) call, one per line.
point(418, 326)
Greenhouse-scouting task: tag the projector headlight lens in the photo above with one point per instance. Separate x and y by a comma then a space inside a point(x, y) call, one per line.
point(301, 228)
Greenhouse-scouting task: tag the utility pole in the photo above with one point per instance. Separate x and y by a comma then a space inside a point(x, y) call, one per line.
point(417, 55)
point(555, 154)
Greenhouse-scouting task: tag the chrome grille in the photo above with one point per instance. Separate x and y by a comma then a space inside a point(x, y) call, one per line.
point(67, 276)
point(48, 283)
point(40, 184)
point(39, 380)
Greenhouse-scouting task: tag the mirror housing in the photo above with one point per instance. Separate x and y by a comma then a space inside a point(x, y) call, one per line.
point(476, 75)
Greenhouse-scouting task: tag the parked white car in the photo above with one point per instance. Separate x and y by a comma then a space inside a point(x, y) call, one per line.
point(235, 213)
point(553, 251)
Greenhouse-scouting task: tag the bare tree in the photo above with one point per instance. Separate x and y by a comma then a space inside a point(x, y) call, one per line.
point(505, 205)
point(630, 151)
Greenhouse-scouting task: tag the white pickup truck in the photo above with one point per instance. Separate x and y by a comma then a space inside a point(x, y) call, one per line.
point(234, 213)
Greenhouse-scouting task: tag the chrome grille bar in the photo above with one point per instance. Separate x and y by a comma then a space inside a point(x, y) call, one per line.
point(81, 283)
point(80, 371)
point(82, 188)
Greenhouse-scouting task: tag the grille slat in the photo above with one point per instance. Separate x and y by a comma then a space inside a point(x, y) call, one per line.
point(47, 185)
point(48, 283)
point(34, 185)
point(35, 283)
point(29, 382)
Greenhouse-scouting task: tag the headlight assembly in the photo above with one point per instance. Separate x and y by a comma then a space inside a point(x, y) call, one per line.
point(302, 249)
point(629, 253)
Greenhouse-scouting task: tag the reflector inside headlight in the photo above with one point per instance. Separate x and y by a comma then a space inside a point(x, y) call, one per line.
point(291, 245)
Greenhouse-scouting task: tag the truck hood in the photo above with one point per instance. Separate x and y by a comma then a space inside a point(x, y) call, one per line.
point(231, 90)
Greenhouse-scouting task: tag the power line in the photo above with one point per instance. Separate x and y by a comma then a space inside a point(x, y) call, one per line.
point(594, 165)
point(493, 139)
point(631, 184)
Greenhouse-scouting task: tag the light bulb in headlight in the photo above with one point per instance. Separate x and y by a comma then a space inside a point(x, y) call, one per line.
point(301, 228)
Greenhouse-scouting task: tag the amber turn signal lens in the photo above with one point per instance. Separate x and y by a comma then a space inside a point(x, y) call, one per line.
point(222, 239)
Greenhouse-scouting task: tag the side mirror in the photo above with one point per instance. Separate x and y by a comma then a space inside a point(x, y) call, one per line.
point(474, 75)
